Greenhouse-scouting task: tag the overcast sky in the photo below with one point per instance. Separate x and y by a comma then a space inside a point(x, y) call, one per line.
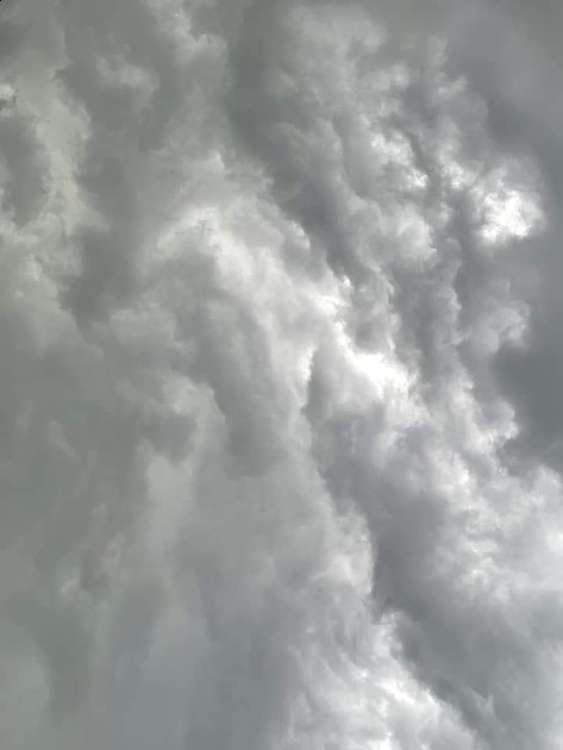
point(281, 353)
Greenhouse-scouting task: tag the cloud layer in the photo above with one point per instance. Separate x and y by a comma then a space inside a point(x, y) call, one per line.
point(279, 409)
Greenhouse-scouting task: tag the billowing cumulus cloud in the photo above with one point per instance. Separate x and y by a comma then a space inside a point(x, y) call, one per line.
point(279, 360)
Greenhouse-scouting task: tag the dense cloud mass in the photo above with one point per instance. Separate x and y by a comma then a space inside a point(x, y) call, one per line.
point(280, 360)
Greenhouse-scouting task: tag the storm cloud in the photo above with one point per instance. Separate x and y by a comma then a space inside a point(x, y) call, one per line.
point(280, 362)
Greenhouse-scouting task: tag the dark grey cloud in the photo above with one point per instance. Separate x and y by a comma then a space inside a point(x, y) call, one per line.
point(279, 422)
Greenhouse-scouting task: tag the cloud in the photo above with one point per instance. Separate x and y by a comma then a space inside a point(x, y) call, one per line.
point(278, 409)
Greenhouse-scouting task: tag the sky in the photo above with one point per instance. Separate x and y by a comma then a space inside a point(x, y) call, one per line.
point(281, 429)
